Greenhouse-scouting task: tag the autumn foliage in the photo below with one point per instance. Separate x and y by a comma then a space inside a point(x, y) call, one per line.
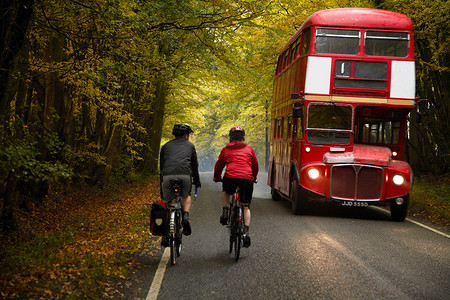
point(77, 244)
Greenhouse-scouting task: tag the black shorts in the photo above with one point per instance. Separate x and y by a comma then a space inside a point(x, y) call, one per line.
point(229, 186)
point(167, 192)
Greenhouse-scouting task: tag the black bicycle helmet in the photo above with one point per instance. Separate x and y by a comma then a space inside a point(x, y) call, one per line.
point(181, 129)
point(237, 133)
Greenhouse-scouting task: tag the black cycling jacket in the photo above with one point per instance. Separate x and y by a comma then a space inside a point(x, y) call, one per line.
point(178, 157)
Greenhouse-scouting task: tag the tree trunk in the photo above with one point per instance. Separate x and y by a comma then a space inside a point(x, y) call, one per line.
point(8, 220)
point(157, 124)
point(14, 20)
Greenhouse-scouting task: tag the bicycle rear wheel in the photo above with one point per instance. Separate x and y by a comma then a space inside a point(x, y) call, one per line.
point(178, 235)
point(239, 227)
point(173, 250)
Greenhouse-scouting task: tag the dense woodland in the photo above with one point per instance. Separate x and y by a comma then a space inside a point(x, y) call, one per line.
point(89, 89)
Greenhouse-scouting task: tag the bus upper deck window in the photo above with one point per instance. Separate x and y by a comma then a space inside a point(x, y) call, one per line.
point(306, 41)
point(337, 41)
point(386, 43)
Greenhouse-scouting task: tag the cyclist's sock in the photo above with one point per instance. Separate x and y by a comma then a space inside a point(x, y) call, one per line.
point(224, 216)
point(186, 224)
point(246, 237)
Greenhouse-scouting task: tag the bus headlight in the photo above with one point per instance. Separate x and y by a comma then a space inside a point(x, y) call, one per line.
point(313, 174)
point(398, 179)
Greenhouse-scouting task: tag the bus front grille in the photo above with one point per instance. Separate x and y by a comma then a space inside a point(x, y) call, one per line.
point(356, 182)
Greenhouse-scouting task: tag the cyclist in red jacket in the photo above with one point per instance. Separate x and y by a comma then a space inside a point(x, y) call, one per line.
point(241, 170)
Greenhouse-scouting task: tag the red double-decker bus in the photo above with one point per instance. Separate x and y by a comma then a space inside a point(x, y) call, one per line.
point(344, 85)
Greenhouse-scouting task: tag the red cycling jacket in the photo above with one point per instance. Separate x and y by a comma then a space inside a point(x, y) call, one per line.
point(240, 160)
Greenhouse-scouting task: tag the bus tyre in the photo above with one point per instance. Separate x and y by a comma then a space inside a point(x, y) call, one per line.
point(298, 198)
point(275, 195)
point(399, 212)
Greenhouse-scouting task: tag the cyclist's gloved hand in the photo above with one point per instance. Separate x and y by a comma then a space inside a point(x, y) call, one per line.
point(217, 179)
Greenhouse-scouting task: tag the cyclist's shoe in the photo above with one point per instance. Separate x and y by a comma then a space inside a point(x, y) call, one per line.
point(224, 216)
point(165, 241)
point(246, 237)
point(186, 224)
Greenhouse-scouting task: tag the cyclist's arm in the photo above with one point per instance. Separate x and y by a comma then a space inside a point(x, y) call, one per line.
point(194, 166)
point(255, 166)
point(220, 164)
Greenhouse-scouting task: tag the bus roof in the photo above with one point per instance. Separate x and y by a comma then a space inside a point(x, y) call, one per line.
point(357, 18)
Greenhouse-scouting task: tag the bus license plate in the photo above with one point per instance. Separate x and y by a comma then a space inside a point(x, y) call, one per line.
point(355, 203)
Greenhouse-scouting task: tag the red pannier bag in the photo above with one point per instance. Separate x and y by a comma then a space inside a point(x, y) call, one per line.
point(158, 218)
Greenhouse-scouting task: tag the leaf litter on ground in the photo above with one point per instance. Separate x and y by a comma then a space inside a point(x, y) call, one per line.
point(78, 243)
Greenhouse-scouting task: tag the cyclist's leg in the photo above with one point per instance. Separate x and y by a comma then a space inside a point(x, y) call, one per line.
point(247, 215)
point(228, 188)
point(186, 202)
point(246, 187)
point(226, 199)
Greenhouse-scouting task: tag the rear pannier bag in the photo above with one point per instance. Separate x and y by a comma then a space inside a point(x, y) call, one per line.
point(158, 218)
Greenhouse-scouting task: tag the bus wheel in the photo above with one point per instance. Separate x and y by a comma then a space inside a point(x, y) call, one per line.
point(275, 195)
point(399, 211)
point(273, 191)
point(298, 198)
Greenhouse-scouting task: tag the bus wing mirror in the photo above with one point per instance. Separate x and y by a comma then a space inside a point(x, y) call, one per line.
point(300, 95)
point(297, 112)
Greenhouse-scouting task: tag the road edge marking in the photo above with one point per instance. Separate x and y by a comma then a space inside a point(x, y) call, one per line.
point(418, 223)
point(429, 228)
point(159, 275)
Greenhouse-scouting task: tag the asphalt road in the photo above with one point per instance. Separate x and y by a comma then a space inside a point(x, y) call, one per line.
point(331, 253)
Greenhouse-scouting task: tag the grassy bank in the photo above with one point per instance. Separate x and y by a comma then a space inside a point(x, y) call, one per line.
point(430, 199)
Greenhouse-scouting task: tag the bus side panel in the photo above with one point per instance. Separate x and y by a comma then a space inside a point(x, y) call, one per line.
point(318, 75)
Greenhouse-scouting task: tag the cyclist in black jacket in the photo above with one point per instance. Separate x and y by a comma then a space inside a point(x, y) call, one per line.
point(178, 159)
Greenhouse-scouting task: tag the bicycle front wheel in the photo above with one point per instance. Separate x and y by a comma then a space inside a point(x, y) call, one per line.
point(237, 245)
point(231, 242)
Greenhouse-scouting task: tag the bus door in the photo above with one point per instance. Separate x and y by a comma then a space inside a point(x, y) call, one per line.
point(297, 135)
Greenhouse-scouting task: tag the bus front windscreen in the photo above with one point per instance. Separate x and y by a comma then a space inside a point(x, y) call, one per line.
point(329, 123)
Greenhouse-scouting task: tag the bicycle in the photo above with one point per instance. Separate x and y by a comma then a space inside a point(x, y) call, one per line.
point(175, 225)
point(175, 221)
point(235, 224)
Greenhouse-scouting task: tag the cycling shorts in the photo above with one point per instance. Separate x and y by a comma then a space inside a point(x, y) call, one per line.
point(229, 186)
point(167, 192)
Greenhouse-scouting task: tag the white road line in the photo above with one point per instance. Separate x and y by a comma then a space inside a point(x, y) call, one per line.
point(418, 223)
point(156, 284)
point(429, 228)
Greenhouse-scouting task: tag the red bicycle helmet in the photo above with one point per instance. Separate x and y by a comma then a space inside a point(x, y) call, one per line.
point(237, 130)
point(237, 133)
